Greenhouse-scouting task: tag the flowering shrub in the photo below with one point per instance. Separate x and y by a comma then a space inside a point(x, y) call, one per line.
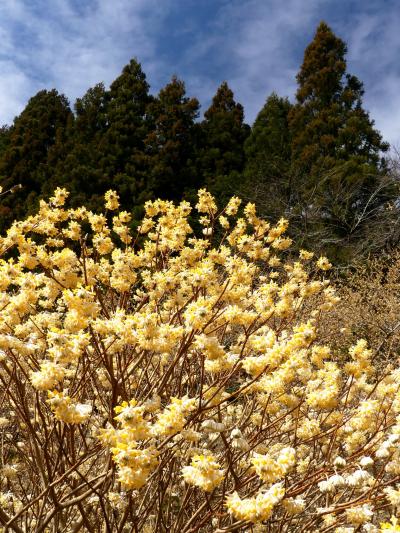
point(160, 381)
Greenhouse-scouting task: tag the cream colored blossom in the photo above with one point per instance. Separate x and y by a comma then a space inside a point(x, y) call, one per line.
point(323, 263)
point(256, 509)
point(112, 200)
point(66, 410)
point(173, 365)
point(204, 472)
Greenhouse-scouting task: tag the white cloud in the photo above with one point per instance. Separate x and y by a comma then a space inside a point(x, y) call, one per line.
point(50, 44)
point(373, 49)
point(15, 91)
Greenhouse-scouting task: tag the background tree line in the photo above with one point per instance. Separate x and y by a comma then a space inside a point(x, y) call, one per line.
point(318, 161)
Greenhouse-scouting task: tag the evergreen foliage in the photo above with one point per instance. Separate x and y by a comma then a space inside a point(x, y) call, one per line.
point(123, 162)
point(78, 155)
point(171, 141)
point(24, 157)
point(267, 176)
point(336, 151)
point(221, 155)
point(4, 138)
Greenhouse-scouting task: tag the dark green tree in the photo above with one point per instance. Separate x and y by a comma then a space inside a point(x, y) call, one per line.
point(24, 160)
point(5, 132)
point(336, 151)
point(267, 178)
point(123, 162)
point(76, 156)
point(170, 143)
point(221, 154)
point(105, 143)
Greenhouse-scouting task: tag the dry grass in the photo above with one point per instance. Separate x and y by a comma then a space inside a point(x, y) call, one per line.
point(369, 309)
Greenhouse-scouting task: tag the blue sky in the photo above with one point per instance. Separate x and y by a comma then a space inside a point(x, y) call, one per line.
point(256, 45)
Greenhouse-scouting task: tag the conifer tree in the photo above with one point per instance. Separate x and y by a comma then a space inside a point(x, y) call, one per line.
point(24, 160)
point(221, 156)
point(78, 154)
point(170, 143)
point(267, 173)
point(5, 132)
point(336, 151)
point(123, 161)
point(105, 142)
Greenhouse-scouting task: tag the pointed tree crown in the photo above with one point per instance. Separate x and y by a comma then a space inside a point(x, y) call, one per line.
point(270, 136)
point(221, 156)
point(321, 74)
point(131, 85)
point(328, 124)
point(223, 101)
point(169, 142)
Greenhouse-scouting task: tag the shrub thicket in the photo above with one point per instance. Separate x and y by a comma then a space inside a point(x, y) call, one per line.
point(165, 382)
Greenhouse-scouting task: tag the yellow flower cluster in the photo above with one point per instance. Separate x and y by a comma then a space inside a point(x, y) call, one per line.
point(257, 509)
point(173, 418)
point(66, 410)
point(135, 461)
point(390, 527)
point(203, 472)
point(112, 200)
point(49, 375)
point(131, 417)
point(134, 464)
point(270, 468)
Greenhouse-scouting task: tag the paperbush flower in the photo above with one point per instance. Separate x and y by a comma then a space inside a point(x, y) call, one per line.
point(204, 472)
point(256, 509)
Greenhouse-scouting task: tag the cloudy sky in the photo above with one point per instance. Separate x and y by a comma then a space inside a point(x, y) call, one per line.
point(256, 45)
